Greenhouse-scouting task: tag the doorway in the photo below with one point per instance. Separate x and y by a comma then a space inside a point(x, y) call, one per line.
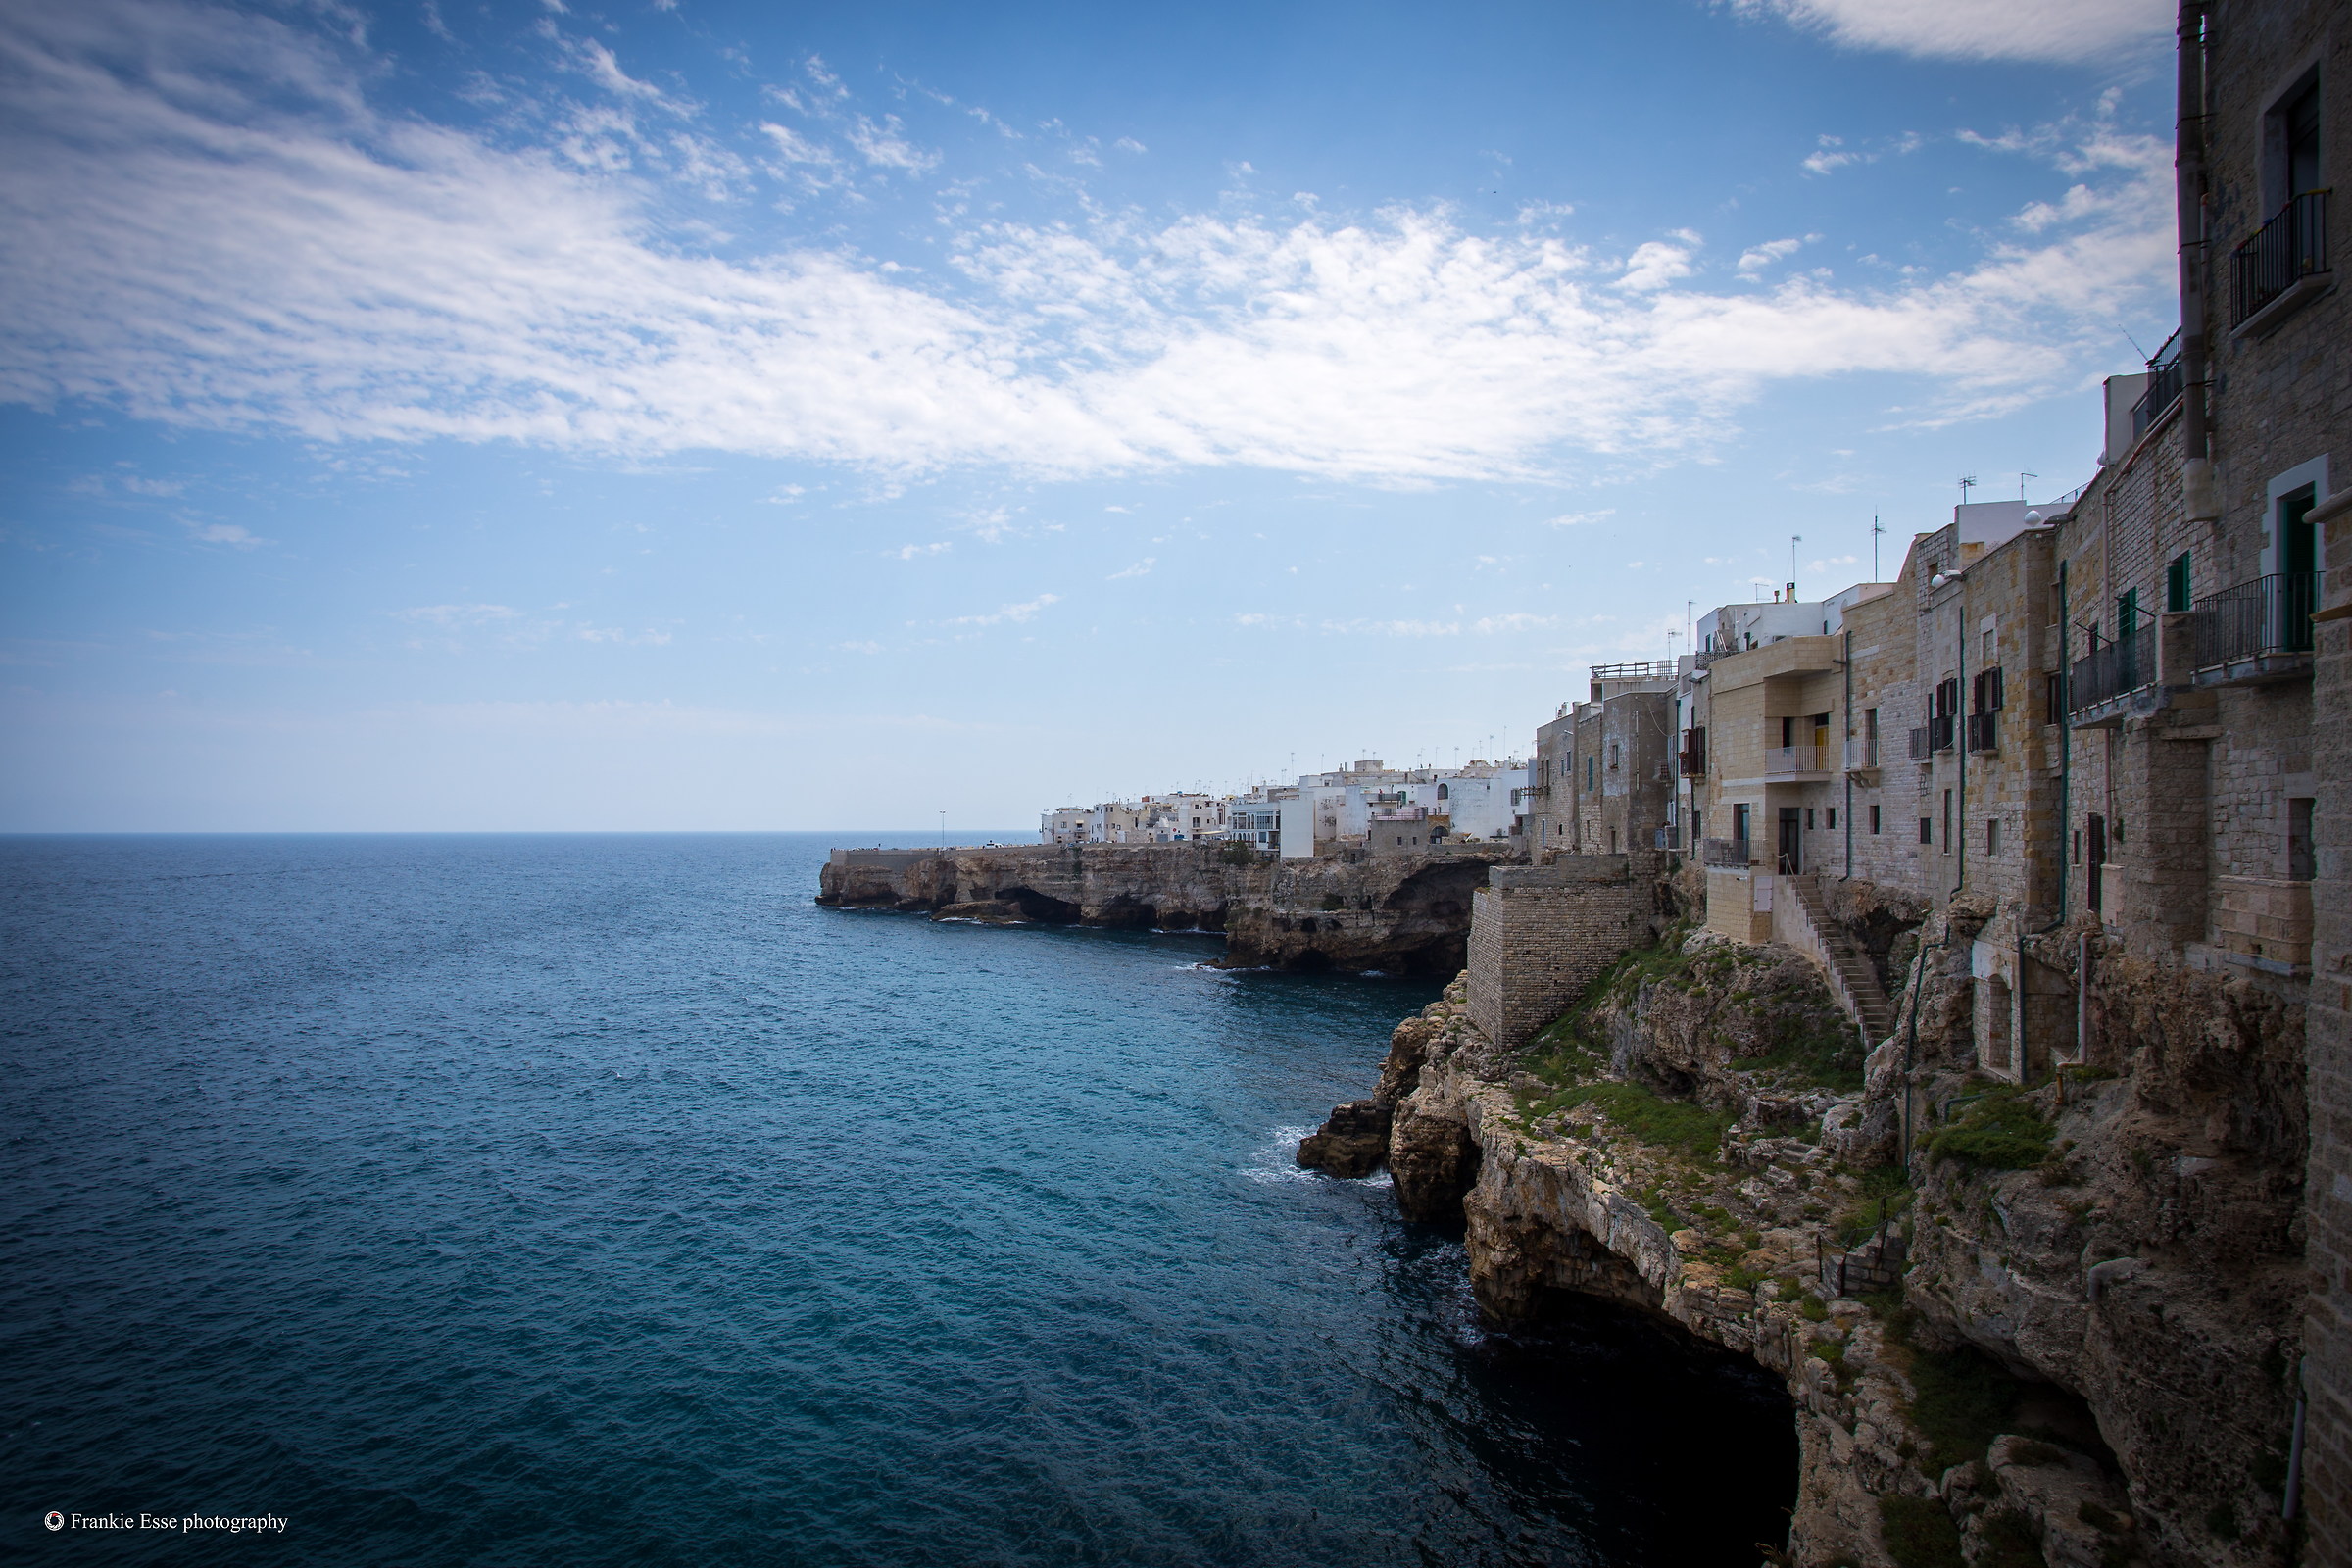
point(1792, 840)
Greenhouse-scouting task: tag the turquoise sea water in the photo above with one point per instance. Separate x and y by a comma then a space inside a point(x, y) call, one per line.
point(600, 1199)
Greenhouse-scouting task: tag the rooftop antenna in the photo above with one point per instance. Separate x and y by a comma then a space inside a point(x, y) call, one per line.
point(1875, 531)
point(1795, 540)
point(2021, 477)
point(1967, 484)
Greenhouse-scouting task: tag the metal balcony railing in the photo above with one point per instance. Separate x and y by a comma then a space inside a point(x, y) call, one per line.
point(2268, 615)
point(1941, 729)
point(1984, 732)
point(1921, 750)
point(1692, 760)
point(1723, 852)
point(1782, 761)
point(1861, 753)
point(1640, 670)
point(2165, 382)
point(2123, 666)
point(2290, 247)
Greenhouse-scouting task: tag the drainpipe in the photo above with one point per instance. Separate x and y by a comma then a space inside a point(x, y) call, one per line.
point(1848, 650)
point(2066, 736)
point(2198, 493)
point(1960, 742)
point(2294, 1450)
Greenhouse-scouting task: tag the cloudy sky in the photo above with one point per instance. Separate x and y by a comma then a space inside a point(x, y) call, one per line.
point(676, 414)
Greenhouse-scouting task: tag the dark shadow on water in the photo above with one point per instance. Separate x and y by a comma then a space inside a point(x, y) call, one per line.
point(1648, 1445)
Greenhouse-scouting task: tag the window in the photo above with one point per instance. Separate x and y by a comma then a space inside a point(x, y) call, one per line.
point(2301, 862)
point(1926, 830)
point(1831, 820)
point(1788, 733)
point(1874, 820)
point(1616, 756)
point(2127, 615)
point(1442, 790)
point(1947, 822)
point(1808, 818)
point(1740, 824)
point(1592, 760)
point(1992, 835)
point(1870, 737)
point(2175, 583)
point(1987, 655)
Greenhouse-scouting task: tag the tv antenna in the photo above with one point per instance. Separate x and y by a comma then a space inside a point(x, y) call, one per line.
point(1875, 532)
point(1967, 484)
point(2021, 477)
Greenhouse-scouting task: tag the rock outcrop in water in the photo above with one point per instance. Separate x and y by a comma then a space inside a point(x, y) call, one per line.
point(2020, 1324)
point(1400, 914)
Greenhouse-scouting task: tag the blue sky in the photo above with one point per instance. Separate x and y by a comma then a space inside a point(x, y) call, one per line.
point(731, 415)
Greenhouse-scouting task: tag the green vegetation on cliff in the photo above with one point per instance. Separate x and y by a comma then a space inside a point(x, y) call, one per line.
point(2000, 1130)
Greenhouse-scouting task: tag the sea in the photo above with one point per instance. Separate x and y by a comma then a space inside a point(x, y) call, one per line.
point(600, 1198)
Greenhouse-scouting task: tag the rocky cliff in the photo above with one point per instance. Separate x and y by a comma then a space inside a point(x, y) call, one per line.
point(1398, 913)
point(2044, 1323)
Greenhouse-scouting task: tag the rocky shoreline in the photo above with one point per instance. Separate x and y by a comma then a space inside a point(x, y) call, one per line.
point(2017, 1325)
point(1400, 914)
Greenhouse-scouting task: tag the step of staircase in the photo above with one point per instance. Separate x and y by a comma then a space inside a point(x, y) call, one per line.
point(1860, 981)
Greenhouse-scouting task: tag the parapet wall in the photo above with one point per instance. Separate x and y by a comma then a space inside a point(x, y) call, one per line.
point(1540, 934)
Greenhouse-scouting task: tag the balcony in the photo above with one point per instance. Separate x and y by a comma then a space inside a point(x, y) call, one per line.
point(1921, 750)
point(1808, 762)
point(1984, 732)
point(2257, 631)
point(1641, 669)
point(2105, 678)
point(1692, 760)
point(1942, 728)
point(1862, 755)
point(2165, 382)
point(1723, 852)
point(2283, 264)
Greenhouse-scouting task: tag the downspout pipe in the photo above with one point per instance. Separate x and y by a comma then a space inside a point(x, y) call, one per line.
point(1848, 650)
point(2200, 496)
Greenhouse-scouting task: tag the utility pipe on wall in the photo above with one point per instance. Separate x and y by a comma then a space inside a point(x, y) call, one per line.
point(2199, 495)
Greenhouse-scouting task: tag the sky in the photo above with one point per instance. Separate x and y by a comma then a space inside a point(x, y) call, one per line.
point(698, 414)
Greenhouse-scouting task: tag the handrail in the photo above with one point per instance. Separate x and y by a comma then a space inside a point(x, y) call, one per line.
point(2123, 666)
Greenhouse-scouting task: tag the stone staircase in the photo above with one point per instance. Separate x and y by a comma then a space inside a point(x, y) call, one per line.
point(1851, 979)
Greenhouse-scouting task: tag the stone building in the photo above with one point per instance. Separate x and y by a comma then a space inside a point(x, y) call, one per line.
point(1601, 780)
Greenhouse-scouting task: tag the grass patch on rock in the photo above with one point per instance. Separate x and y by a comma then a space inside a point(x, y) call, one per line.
point(1919, 1532)
point(2000, 1130)
point(1964, 1398)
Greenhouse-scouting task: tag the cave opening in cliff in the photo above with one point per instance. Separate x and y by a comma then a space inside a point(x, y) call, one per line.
point(1039, 907)
point(1659, 1414)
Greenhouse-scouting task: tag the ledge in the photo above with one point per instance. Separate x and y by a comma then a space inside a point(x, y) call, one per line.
point(2261, 671)
point(2262, 322)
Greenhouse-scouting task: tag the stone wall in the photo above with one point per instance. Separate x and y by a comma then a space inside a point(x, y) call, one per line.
point(2328, 1026)
point(1540, 934)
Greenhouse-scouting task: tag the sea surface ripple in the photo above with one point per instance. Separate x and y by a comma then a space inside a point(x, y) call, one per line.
point(597, 1198)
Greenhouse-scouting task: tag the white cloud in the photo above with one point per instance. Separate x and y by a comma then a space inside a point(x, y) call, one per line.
point(882, 145)
point(2068, 31)
point(1008, 613)
point(1577, 519)
point(209, 225)
point(460, 615)
point(911, 551)
point(154, 487)
point(1758, 257)
point(614, 634)
point(1141, 569)
point(1655, 266)
point(1823, 161)
point(225, 533)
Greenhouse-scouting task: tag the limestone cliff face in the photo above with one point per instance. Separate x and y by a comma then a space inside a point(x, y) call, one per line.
point(2075, 1347)
point(1402, 913)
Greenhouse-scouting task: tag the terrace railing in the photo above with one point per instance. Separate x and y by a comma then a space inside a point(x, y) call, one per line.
point(2282, 253)
point(2268, 615)
point(2105, 673)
